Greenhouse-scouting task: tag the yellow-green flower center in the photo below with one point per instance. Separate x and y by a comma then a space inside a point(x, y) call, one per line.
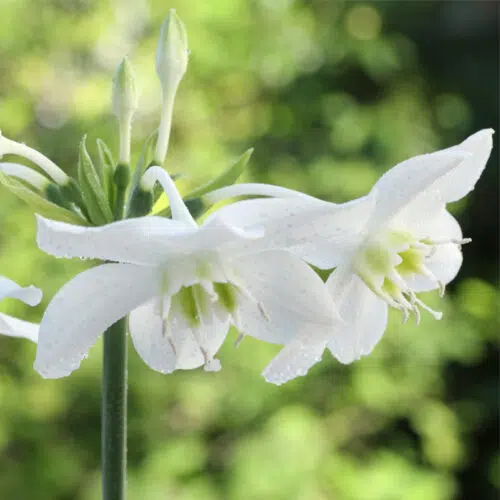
point(387, 262)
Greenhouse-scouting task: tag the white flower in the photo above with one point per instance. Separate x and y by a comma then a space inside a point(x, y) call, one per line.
point(183, 285)
point(14, 327)
point(9, 147)
point(405, 243)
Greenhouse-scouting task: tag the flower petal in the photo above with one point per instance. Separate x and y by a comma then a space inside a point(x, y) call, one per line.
point(257, 212)
point(444, 265)
point(461, 180)
point(283, 294)
point(364, 317)
point(144, 240)
point(405, 182)
point(29, 295)
point(430, 181)
point(84, 308)
point(321, 233)
point(168, 345)
point(440, 226)
point(14, 327)
point(295, 359)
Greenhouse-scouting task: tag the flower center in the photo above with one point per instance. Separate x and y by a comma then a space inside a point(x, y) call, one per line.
point(386, 263)
point(212, 290)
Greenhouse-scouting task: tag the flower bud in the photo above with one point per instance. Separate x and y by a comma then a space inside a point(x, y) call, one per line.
point(172, 52)
point(124, 91)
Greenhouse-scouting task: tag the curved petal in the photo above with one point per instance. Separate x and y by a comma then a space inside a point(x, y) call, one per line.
point(405, 182)
point(281, 294)
point(321, 233)
point(84, 308)
point(144, 240)
point(252, 189)
point(257, 212)
point(446, 259)
point(428, 182)
point(14, 327)
point(296, 358)
point(364, 317)
point(444, 265)
point(461, 180)
point(424, 219)
point(29, 295)
point(168, 345)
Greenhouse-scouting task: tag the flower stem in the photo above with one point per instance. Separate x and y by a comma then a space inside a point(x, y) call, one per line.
point(114, 412)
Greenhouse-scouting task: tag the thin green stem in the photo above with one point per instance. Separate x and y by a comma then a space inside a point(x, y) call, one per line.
point(114, 412)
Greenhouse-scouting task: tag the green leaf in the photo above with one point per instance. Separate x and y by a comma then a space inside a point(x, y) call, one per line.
point(106, 167)
point(39, 204)
point(95, 199)
point(229, 176)
point(226, 178)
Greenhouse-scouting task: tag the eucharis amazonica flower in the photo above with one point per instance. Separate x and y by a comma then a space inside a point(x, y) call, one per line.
point(404, 242)
point(14, 327)
point(182, 284)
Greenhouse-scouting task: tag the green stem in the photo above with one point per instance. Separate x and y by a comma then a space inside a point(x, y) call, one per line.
point(114, 412)
point(122, 179)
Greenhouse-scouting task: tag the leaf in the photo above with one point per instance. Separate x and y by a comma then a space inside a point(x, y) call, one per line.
point(94, 197)
point(106, 166)
point(226, 178)
point(229, 176)
point(39, 204)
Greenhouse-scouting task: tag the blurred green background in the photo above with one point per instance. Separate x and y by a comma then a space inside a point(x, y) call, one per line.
point(331, 94)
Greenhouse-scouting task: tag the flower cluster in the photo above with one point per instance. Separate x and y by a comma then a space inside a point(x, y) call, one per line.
point(250, 264)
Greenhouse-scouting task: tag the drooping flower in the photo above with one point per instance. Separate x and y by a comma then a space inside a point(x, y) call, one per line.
point(407, 243)
point(14, 327)
point(182, 284)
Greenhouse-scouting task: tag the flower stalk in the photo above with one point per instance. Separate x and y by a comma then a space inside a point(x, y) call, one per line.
point(114, 412)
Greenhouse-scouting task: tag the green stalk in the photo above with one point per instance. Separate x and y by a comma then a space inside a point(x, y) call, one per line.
point(114, 412)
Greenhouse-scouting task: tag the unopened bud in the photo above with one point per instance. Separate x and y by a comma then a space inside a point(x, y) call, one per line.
point(172, 52)
point(124, 92)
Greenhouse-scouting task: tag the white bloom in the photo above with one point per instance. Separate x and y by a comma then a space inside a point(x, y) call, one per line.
point(14, 327)
point(405, 243)
point(9, 147)
point(183, 285)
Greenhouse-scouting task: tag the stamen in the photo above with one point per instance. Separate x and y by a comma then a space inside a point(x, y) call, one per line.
point(208, 287)
point(429, 274)
point(406, 315)
point(455, 241)
point(171, 342)
point(245, 292)
point(238, 340)
point(437, 314)
point(263, 312)
point(211, 364)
